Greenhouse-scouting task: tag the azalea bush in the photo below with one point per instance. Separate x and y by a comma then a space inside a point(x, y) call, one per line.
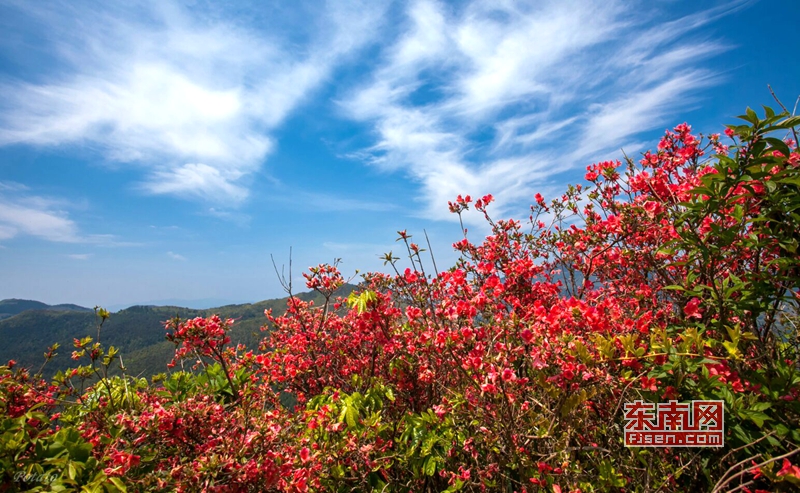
point(672, 278)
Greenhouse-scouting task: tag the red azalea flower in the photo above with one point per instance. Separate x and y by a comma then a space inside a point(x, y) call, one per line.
point(692, 309)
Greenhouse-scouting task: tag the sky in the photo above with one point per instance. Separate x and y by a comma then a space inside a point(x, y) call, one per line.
point(156, 151)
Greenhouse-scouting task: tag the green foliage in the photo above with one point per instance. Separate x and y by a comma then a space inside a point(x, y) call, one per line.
point(33, 458)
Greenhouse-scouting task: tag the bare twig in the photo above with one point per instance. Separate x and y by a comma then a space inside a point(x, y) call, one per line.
point(738, 449)
point(723, 482)
point(794, 132)
point(430, 250)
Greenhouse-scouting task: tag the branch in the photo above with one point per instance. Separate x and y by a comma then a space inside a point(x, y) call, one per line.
point(724, 482)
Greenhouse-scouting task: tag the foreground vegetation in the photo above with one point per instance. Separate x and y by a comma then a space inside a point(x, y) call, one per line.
point(672, 278)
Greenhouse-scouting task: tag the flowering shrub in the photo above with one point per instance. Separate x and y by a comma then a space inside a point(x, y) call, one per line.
point(672, 278)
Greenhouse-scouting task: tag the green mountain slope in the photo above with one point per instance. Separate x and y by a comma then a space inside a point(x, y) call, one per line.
point(13, 306)
point(137, 331)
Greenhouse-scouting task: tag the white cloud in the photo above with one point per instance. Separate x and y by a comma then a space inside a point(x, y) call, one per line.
point(338, 202)
point(176, 256)
point(7, 232)
point(11, 186)
point(109, 241)
point(238, 218)
point(364, 248)
point(190, 96)
point(199, 179)
point(80, 256)
point(35, 216)
point(24, 214)
point(531, 76)
point(609, 124)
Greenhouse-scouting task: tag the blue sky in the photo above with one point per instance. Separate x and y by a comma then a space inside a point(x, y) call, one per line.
point(163, 150)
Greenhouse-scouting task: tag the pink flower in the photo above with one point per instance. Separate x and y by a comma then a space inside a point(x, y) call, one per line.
point(526, 335)
point(509, 375)
point(305, 454)
point(692, 309)
point(538, 363)
point(649, 384)
point(789, 470)
point(489, 388)
point(412, 312)
point(652, 208)
point(755, 470)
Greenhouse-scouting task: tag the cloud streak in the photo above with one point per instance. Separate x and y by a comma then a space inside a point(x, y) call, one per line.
point(176, 256)
point(498, 97)
point(190, 98)
point(23, 213)
point(35, 216)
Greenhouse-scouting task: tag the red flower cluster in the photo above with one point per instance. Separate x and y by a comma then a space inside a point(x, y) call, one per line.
point(506, 372)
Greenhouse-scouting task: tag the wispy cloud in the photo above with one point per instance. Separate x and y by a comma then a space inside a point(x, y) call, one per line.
point(172, 227)
point(109, 241)
point(23, 213)
point(240, 219)
point(338, 202)
point(190, 97)
point(498, 97)
point(176, 256)
point(7, 232)
point(369, 248)
point(80, 256)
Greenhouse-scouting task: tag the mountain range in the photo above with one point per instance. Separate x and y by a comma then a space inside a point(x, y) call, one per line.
point(13, 306)
point(28, 328)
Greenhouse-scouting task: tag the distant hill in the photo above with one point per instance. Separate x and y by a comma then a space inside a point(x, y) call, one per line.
point(198, 304)
point(13, 306)
point(137, 331)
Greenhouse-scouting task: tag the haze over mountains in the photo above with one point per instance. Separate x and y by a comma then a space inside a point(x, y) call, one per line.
point(28, 328)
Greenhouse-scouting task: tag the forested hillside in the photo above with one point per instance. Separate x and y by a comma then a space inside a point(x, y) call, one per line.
point(13, 306)
point(31, 327)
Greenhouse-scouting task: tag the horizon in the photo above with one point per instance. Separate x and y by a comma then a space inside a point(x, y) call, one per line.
point(165, 150)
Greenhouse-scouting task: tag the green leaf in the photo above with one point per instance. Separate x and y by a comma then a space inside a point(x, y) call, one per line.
point(788, 123)
point(755, 416)
point(119, 484)
point(351, 416)
point(429, 467)
point(749, 116)
point(361, 301)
